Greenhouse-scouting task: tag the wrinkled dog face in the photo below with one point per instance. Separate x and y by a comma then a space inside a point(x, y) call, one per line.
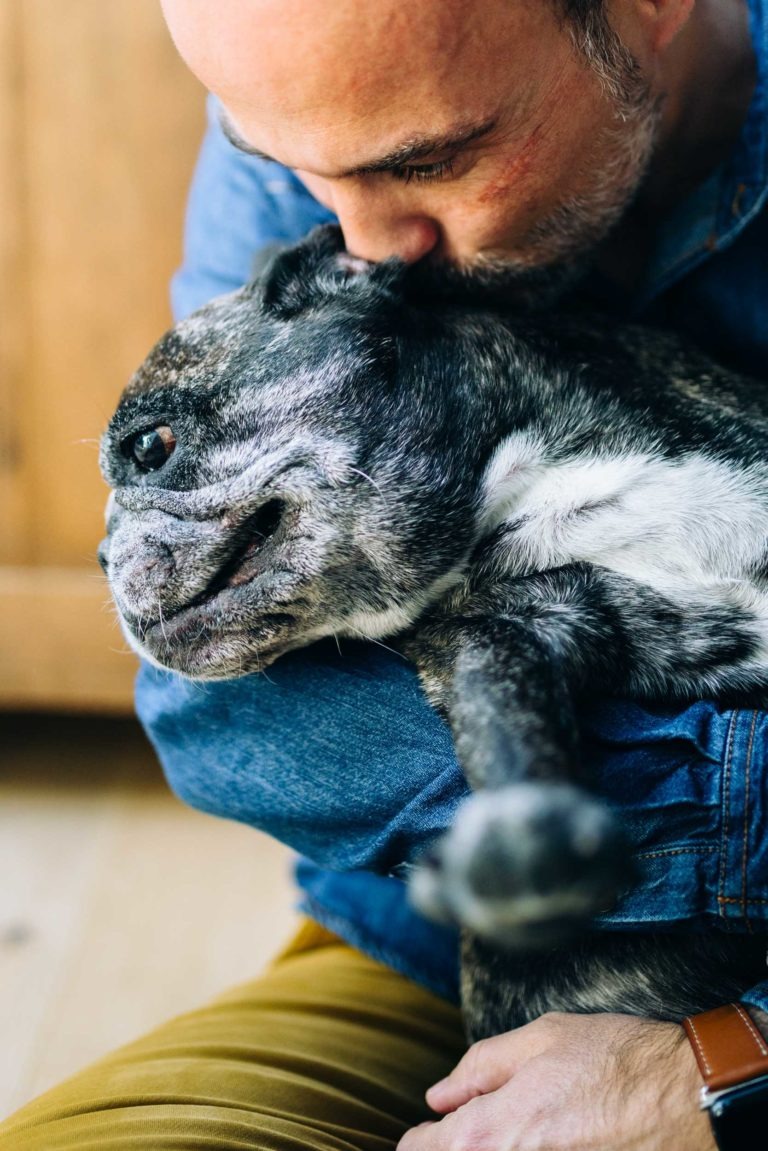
point(279, 463)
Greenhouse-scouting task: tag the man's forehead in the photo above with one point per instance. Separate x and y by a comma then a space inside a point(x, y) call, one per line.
point(329, 72)
point(250, 39)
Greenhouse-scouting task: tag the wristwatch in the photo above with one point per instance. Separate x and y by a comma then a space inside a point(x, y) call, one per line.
point(733, 1059)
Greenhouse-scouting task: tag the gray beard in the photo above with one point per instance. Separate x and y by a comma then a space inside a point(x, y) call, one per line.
point(562, 248)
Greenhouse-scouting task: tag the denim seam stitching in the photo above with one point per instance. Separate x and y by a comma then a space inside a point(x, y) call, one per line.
point(745, 838)
point(725, 808)
point(678, 851)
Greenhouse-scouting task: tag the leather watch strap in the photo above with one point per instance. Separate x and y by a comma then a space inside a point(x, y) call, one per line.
point(729, 1048)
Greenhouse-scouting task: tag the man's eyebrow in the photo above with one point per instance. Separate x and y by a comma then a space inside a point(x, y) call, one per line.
point(417, 148)
point(421, 147)
point(235, 139)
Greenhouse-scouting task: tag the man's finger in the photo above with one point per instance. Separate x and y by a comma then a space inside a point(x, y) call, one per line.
point(418, 1138)
point(477, 1124)
point(485, 1067)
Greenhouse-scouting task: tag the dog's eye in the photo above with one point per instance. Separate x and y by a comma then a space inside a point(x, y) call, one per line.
point(151, 449)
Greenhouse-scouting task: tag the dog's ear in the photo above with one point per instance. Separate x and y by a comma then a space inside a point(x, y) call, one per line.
point(264, 259)
point(294, 279)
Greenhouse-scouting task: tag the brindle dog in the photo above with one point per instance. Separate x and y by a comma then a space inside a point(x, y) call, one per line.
point(536, 509)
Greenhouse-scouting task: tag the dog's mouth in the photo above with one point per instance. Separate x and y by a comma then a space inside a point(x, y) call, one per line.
point(244, 561)
point(247, 544)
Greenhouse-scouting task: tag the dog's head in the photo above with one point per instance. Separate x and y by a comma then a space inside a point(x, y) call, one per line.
point(293, 461)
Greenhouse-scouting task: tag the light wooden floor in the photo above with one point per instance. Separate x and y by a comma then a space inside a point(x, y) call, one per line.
point(119, 907)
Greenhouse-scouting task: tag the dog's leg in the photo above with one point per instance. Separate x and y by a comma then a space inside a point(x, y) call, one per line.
point(533, 855)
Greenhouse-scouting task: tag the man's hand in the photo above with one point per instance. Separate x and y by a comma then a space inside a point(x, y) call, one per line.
point(571, 1083)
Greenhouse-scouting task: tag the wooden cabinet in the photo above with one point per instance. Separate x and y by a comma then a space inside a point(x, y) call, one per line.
point(99, 127)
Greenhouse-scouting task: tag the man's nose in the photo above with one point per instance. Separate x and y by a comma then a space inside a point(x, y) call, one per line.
point(375, 228)
point(410, 238)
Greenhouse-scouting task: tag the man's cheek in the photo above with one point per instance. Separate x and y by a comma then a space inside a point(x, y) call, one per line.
point(517, 168)
point(539, 169)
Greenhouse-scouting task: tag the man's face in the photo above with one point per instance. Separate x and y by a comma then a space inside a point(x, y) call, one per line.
point(469, 130)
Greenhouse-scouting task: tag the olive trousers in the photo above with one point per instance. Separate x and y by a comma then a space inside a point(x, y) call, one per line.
point(327, 1050)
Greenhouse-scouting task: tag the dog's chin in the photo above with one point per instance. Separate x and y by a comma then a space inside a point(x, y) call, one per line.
point(197, 649)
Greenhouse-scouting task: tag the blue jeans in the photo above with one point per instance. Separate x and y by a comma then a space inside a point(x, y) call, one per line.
point(338, 754)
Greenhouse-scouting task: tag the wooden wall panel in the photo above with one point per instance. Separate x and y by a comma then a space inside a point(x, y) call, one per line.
point(113, 121)
point(14, 478)
point(100, 123)
point(61, 645)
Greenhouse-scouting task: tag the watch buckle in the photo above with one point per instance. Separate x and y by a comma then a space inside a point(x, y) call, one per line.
point(708, 1098)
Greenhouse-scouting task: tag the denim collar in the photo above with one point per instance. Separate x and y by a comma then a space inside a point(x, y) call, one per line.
point(722, 207)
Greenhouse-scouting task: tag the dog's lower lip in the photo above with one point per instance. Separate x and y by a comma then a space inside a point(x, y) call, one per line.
point(195, 608)
point(188, 615)
point(188, 628)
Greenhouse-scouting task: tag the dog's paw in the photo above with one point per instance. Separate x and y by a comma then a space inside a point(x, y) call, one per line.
point(525, 866)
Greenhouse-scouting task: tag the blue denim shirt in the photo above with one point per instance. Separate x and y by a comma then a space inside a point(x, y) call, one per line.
point(337, 753)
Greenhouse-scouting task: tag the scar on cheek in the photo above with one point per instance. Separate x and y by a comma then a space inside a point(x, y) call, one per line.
point(516, 167)
point(562, 95)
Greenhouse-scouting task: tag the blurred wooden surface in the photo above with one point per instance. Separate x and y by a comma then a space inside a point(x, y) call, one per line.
point(119, 907)
point(62, 647)
point(100, 123)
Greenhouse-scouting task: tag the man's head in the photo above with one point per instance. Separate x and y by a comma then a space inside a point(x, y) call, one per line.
point(485, 133)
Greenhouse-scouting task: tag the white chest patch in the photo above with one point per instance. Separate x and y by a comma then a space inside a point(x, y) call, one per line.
point(667, 523)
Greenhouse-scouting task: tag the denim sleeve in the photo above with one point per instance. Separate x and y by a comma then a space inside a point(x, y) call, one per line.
point(690, 786)
point(337, 752)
